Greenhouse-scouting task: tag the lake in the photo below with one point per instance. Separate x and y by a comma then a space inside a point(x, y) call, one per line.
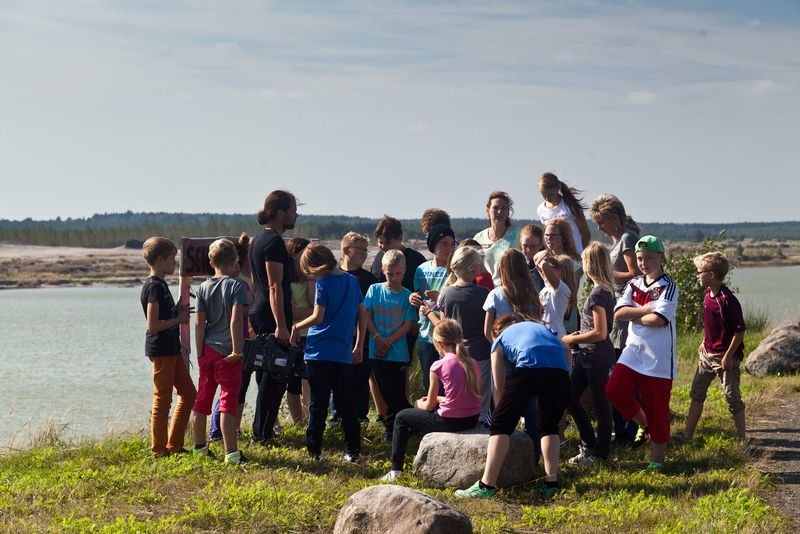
point(74, 356)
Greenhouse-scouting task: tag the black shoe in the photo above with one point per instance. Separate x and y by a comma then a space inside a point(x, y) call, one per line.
point(315, 456)
point(387, 437)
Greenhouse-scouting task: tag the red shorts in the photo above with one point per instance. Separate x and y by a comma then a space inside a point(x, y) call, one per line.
point(216, 371)
point(621, 389)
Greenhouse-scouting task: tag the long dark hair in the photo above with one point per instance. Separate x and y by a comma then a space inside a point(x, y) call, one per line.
point(572, 196)
point(276, 201)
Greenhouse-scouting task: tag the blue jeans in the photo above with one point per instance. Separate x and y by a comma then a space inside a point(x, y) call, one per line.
point(427, 357)
point(325, 378)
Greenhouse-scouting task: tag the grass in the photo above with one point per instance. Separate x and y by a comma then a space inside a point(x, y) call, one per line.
point(114, 485)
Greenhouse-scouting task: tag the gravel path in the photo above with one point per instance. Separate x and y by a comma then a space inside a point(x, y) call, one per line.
point(776, 440)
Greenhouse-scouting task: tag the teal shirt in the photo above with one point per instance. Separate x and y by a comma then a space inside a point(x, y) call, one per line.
point(428, 278)
point(388, 310)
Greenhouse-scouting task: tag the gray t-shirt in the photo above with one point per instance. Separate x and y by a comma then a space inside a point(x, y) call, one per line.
point(465, 305)
point(216, 297)
point(619, 330)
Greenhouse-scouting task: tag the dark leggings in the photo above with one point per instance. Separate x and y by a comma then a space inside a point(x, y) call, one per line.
point(391, 380)
point(324, 378)
point(268, 401)
point(413, 421)
point(595, 379)
point(550, 385)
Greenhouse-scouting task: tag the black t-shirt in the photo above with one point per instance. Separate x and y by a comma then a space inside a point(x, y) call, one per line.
point(166, 342)
point(365, 279)
point(598, 354)
point(413, 260)
point(269, 246)
point(465, 305)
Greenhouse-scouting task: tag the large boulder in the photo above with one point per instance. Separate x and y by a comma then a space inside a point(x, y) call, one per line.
point(779, 352)
point(390, 509)
point(457, 459)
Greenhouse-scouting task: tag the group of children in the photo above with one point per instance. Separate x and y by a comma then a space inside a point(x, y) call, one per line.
point(495, 325)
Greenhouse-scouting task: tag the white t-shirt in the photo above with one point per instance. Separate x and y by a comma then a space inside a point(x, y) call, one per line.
point(561, 211)
point(651, 350)
point(554, 305)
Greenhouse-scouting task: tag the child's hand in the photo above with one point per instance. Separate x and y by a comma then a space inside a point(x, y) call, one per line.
point(381, 350)
point(425, 309)
point(382, 344)
point(231, 358)
point(415, 299)
point(184, 310)
point(294, 336)
point(726, 363)
point(432, 295)
point(358, 355)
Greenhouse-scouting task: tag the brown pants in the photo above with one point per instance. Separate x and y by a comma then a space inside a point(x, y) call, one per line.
point(169, 372)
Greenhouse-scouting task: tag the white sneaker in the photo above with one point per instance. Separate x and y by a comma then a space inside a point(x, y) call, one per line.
point(583, 457)
point(391, 476)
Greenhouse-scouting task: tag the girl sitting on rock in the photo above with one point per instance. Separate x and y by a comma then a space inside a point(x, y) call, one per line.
point(457, 410)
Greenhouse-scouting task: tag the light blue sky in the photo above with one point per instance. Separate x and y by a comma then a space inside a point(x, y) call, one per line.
point(688, 111)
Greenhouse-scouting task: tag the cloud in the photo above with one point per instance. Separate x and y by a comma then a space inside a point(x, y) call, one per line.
point(762, 87)
point(285, 95)
point(642, 98)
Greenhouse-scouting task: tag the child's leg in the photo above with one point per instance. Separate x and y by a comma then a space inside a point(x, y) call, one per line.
point(553, 389)
point(427, 356)
point(293, 391)
point(163, 380)
point(703, 376)
point(598, 378)
point(343, 393)
point(390, 377)
point(187, 394)
point(361, 373)
point(207, 387)
point(655, 394)
point(319, 380)
point(621, 390)
point(199, 428)
point(486, 389)
point(229, 378)
point(377, 398)
point(733, 396)
point(579, 379)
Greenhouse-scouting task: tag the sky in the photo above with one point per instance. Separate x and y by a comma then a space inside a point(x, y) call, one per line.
point(689, 111)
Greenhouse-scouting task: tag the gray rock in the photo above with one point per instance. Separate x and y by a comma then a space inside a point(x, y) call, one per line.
point(457, 459)
point(390, 509)
point(779, 352)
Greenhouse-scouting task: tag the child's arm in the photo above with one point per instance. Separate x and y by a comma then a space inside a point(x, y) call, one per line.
point(382, 345)
point(361, 331)
point(498, 373)
point(429, 314)
point(596, 334)
point(154, 324)
point(314, 319)
point(401, 332)
point(728, 358)
point(631, 313)
point(237, 336)
point(200, 332)
point(429, 401)
point(549, 273)
point(488, 324)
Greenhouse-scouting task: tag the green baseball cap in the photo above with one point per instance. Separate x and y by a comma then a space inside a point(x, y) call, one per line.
point(651, 243)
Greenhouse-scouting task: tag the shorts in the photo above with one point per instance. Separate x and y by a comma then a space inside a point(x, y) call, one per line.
point(551, 385)
point(216, 371)
point(710, 367)
point(622, 388)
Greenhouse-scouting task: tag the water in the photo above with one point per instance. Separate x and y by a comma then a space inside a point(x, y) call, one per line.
point(76, 355)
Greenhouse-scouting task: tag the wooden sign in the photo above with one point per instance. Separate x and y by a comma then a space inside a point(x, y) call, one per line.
point(194, 255)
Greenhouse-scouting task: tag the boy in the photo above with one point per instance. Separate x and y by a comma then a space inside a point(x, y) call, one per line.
point(391, 316)
point(428, 280)
point(722, 349)
point(647, 363)
point(389, 233)
point(531, 240)
point(219, 335)
point(354, 253)
point(163, 347)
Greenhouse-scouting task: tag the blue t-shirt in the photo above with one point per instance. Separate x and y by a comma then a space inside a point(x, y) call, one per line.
point(332, 339)
point(428, 278)
point(531, 345)
point(388, 310)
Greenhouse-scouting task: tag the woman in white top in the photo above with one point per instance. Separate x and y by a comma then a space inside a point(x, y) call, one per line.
point(564, 202)
point(500, 235)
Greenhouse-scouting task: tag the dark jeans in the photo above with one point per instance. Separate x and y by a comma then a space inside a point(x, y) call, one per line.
point(361, 394)
point(595, 379)
point(413, 421)
point(391, 380)
point(323, 378)
point(531, 418)
point(268, 401)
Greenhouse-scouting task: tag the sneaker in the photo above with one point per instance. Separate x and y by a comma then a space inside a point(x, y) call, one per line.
point(654, 467)
point(351, 457)
point(642, 437)
point(234, 457)
point(584, 456)
point(391, 476)
point(202, 451)
point(387, 437)
point(315, 456)
point(681, 439)
point(475, 492)
point(547, 491)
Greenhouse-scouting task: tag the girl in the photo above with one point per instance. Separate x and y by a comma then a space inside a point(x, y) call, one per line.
point(609, 215)
point(563, 202)
point(500, 235)
point(463, 301)
point(457, 410)
point(559, 289)
point(329, 351)
point(297, 393)
point(531, 241)
point(590, 369)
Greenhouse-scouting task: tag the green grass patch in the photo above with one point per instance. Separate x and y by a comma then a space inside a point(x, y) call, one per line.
point(114, 485)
